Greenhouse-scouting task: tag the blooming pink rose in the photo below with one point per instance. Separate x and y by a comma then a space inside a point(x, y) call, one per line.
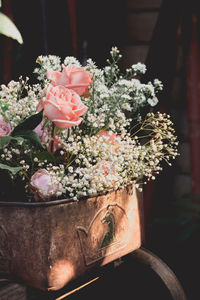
point(63, 107)
point(4, 128)
point(43, 186)
point(71, 77)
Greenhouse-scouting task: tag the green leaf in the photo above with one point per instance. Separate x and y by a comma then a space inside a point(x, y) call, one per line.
point(45, 155)
point(13, 170)
point(6, 139)
point(31, 136)
point(4, 106)
point(8, 28)
point(28, 124)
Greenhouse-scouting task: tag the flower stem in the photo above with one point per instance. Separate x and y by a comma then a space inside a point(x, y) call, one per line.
point(52, 140)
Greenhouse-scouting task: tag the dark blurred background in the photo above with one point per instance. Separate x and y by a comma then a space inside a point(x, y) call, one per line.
point(165, 36)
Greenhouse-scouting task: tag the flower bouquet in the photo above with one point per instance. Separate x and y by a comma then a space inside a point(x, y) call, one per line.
point(76, 144)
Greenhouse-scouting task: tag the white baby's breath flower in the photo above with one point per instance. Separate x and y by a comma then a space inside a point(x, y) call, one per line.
point(106, 150)
point(152, 101)
point(71, 60)
point(139, 68)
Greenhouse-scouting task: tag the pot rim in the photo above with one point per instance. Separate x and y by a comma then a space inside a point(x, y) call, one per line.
point(61, 201)
point(34, 204)
point(55, 202)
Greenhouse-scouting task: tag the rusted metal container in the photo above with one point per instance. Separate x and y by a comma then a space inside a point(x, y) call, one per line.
point(46, 245)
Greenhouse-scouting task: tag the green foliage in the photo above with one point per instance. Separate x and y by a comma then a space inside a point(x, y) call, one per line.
point(28, 124)
point(6, 139)
point(13, 170)
point(45, 155)
point(31, 136)
point(25, 130)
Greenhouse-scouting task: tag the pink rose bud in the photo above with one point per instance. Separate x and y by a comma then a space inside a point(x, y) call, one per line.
point(4, 128)
point(43, 186)
point(63, 107)
point(71, 77)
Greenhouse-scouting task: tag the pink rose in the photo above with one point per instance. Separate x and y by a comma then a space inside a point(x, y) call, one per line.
point(4, 128)
point(39, 130)
point(110, 138)
point(56, 144)
point(43, 186)
point(63, 107)
point(106, 167)
point(43, 134)
point(71, 77)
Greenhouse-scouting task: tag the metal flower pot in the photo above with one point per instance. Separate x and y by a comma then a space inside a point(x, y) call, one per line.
point(46, 245)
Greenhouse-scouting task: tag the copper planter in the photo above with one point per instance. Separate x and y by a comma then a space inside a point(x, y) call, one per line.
point(46, 245)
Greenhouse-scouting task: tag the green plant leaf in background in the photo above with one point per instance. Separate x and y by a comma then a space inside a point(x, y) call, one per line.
point(13, 170)
point(8, 28)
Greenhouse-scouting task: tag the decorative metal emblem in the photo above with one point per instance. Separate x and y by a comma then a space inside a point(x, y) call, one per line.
point(112, 224)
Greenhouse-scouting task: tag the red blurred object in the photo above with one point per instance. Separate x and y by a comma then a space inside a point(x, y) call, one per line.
point(193, 98)
point(72, 15)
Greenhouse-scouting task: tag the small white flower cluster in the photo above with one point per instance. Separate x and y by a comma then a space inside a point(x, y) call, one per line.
point(71, 60)
point(98, 163)
point(111, 92)
point(96, 73)
point(50, 62)
point(112, 146)
point(139, 67)
point(18, 101)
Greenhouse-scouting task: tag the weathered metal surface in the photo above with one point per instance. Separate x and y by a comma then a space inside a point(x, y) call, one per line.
point(48, 244)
